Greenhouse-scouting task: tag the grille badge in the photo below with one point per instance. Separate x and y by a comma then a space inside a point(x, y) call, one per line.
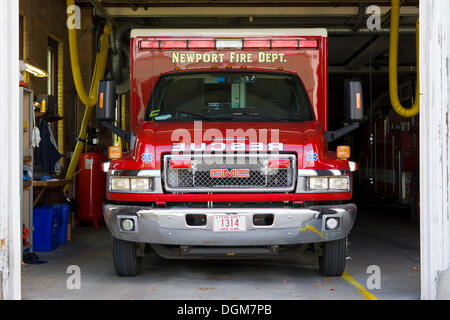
point(225, 173)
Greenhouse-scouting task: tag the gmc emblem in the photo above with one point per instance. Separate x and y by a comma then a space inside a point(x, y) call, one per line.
point(225, 173)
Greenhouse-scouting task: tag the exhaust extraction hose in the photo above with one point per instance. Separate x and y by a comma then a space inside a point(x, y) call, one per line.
point(393, 61)
point(89, 100)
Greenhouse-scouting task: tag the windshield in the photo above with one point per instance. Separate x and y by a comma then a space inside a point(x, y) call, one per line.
point(229, 96)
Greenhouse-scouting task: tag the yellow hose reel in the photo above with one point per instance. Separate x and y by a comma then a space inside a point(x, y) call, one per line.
point(393, 60)
point(90, 100)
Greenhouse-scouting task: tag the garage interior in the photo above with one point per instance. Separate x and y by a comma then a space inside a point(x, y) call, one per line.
point(386, 146)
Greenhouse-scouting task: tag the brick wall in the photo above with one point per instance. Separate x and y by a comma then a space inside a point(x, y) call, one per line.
point(47, 18)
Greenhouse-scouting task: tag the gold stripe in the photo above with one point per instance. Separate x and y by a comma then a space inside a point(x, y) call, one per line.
point(363, 291)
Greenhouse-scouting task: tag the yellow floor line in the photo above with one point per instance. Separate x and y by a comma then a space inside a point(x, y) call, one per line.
point(363, 291)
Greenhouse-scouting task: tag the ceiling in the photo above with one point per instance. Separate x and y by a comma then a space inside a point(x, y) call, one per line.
point(350, 54)
point(277, 3)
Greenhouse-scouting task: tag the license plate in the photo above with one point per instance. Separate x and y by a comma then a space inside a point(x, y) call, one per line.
point(229, 223)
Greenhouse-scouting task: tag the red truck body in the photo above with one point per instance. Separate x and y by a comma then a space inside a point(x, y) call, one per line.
point(309, 63)
point(173, 212)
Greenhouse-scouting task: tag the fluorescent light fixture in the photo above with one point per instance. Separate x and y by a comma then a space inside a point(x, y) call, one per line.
point(35, 71)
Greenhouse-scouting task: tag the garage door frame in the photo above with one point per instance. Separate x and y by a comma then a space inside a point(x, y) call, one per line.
point(434, 143)
point(10, 199)
point(434, 154)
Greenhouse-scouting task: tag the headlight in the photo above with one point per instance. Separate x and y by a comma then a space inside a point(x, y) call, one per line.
point(339, 183)
point(328, 183)
point(140, 184)
point(120, 184)
point(123, 184)
point(318, 183)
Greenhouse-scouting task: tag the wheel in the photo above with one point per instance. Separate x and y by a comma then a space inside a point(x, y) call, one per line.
point(332, 260)
point(126, 261)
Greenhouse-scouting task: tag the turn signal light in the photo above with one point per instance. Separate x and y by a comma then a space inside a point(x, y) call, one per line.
point(279, 164)
point(180, 164)
point(343, 152)
point(115, 153)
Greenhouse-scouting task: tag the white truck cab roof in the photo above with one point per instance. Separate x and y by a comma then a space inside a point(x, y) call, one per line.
point(305, 32)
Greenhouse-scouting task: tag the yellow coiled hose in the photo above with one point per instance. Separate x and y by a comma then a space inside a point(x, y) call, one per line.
point(393, 60)
point(90, 100)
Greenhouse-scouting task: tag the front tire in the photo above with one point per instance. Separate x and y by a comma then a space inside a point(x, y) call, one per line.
point(126, 261)
point(332, 260)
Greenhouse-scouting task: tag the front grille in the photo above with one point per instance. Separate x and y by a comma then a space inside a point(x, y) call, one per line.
point(257, 176)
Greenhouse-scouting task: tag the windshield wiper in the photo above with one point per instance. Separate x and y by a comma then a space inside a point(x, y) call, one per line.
point(260, 116)
point(191, 114)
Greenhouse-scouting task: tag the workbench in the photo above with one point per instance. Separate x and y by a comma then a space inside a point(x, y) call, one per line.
point(50, 184)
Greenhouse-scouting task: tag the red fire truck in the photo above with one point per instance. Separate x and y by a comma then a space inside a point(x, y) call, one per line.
point(389, 154)
point(228, 149)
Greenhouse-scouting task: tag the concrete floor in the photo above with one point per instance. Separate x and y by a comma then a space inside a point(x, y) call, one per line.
point(382, 237)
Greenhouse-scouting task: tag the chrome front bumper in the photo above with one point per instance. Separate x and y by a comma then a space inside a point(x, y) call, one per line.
point(290, 225)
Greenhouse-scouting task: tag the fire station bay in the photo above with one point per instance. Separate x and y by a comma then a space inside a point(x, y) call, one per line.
point(224, 150)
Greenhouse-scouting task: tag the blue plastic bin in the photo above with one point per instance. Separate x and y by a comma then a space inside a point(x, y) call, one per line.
point(63, 214)
point(45, 233)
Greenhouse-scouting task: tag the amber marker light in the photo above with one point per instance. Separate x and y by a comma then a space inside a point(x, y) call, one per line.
point(100, 103)
point(115, 153)
point(343, 152)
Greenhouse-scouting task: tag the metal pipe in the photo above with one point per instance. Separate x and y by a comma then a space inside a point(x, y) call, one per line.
point(365, 31)
point(104, 12)
point(387, 16)
point(61, 99)
point(123, 115)
point(90, 99)
point(117, 60)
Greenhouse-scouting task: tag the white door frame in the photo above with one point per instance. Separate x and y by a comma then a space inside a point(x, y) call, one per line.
point(434, 143)
point(10, 193)
point(434, 147)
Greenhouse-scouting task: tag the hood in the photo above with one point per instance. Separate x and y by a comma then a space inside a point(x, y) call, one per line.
point(154, 139)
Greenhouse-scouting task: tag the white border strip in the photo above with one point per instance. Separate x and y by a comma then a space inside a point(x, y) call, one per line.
point(434, 143)
point(10, 176)
point(215, 33)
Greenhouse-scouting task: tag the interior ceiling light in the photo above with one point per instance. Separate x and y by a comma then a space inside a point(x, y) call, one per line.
point(35, 71)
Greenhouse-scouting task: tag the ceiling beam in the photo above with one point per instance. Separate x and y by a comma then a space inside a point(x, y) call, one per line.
point(208, 11)
point(366, 70)
point(241, 3)
point(378, 47)
point(104, 12)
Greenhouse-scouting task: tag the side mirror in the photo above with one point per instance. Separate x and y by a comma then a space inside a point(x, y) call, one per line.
point(106, 103)
point(354, 109)
point(106, 108)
